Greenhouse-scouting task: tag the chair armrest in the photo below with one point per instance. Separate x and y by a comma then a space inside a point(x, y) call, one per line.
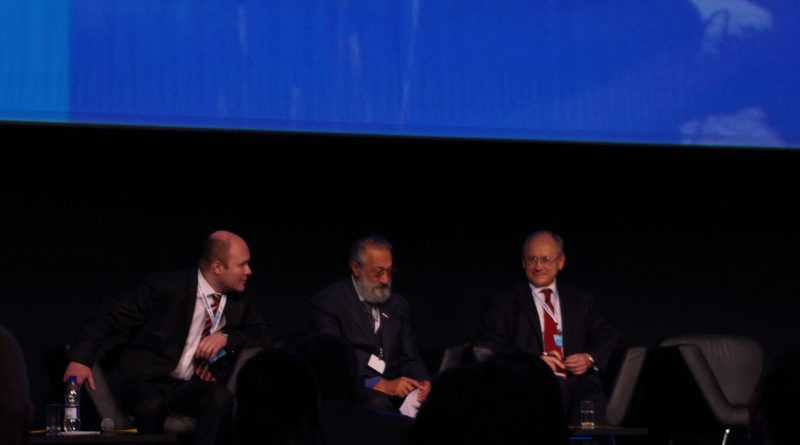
point(104, 400)
point(627, 377)
point(724, 411)
point(244, 356)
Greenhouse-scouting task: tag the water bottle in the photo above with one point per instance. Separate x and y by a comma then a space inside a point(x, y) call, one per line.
point(72, 405)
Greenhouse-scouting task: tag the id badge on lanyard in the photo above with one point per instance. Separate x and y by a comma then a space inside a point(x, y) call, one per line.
point(558, 339)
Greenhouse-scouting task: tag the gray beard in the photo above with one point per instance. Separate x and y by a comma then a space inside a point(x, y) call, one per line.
point(374, 294)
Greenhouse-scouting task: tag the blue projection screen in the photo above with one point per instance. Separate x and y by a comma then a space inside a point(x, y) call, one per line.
point(718, 72)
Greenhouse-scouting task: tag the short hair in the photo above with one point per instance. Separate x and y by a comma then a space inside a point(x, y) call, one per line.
point(14, 393)
point(358, 248)
point(555, 236)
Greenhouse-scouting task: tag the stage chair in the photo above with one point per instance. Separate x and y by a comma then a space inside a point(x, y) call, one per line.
point(108, 408)
point(701, 385)
point(626, 378)
point(453, 356)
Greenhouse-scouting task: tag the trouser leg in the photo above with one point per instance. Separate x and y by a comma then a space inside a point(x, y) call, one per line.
point(146, 401)
point(211, 403)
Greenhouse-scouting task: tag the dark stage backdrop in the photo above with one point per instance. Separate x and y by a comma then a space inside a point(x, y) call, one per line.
point(670, 241)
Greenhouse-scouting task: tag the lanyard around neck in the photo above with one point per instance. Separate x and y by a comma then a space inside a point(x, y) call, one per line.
point(214, 317)
point(546, 307)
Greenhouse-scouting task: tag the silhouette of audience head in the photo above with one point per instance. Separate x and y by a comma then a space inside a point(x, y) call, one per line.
point(15, 405)
point(780, 393)
point(509, 398)
point(278, 401)
point(343, 420)
point(333, 361)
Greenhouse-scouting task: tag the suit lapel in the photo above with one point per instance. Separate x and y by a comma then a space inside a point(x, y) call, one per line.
point(569, 317)
point(188, 301)
point(525, 300)
point(355, 310)
point(234, 307)
point(389, 327)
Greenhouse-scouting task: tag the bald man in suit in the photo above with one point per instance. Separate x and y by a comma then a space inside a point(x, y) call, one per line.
point(179, 323)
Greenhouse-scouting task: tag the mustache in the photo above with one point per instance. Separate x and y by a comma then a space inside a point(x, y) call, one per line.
point(375, 293)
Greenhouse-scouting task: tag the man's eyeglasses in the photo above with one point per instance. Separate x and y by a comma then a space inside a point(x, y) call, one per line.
point(545, 260)
point(378, 273)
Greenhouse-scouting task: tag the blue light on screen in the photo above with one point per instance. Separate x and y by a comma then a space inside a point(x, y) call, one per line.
point(34, 60)
point(720, 72)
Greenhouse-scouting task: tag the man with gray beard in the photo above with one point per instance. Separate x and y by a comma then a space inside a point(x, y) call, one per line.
point(363, 309)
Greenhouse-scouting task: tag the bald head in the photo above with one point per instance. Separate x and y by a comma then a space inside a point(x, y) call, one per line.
point(225, 262)
point(543, 234)
point(218, 245)
point(14, 397)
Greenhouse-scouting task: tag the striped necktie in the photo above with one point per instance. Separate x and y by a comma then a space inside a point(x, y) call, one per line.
point(201, 365)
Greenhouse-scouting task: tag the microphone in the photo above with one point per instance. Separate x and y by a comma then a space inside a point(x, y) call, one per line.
point(107, 425)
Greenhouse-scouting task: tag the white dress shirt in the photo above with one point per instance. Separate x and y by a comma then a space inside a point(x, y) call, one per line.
point(185, 368)
point(538, 300)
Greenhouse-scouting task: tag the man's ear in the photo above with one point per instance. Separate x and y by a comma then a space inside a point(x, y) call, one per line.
point(355, 268)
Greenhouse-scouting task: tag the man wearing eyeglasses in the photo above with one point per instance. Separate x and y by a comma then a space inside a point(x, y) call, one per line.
point(558, 323)
point(363, 309)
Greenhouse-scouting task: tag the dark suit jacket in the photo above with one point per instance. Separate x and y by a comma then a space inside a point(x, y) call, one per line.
point(512, 323)
point(338, 311)
point(158, 315)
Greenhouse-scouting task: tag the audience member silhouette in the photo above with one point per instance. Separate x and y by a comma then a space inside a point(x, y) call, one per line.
point(511, 398)
point(278, 401)
point(343, 420)
point(780, 393)
point(333, 363)
point(15, 406)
